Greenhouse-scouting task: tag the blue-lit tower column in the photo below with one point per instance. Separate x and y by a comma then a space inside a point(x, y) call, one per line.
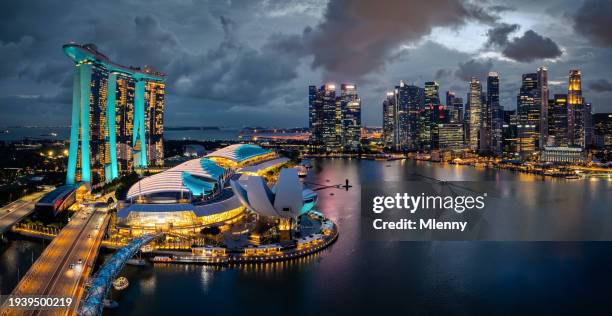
point(138, 138)
point(80, 124)
point(111, 129)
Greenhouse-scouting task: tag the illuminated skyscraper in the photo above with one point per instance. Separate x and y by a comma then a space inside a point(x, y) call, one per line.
point(454, 107)
point(528, 111)
point(430, 116)
point(473, 114)
point(510, 134)
point(323, 117)
point(389, 119)
point(575, 113)
point(350, 105)
point(450, 136)
point(495, 115)
point(557, 121)
point(543, 94)
point(409, 103)
point(108, 108)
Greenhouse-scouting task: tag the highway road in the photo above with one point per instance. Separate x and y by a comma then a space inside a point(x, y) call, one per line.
point(15, 211)
point(65, 264)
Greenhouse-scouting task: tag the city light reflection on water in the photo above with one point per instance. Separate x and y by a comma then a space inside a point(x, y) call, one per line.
point(358, 276)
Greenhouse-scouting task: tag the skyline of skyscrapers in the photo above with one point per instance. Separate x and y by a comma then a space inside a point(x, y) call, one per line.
point(538, 122)
point(117, 117)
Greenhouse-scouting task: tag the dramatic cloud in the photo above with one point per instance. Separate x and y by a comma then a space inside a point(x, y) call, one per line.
point(531, 46)
point(249, 62)
point(594, 20)
point(601, 85)
point(357, 37)
point(442, 73)
point(474, 68)
point(498, 35)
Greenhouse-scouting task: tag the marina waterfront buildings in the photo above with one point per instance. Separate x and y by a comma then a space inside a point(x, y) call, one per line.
point(117, 117)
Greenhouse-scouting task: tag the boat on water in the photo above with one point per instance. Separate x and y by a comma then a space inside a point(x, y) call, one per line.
point(162, 259)
point(110, 304)
point(54, 134)
point(121, 283)
point(136, 262)
point(302, 171)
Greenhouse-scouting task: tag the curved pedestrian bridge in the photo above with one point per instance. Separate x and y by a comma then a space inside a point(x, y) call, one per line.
point(92, 303)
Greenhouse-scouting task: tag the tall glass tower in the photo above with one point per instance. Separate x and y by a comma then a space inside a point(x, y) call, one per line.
point(474, 113)
point(575, 114)
point(117, 117)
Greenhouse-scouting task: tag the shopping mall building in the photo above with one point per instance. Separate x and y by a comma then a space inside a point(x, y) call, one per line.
point(197, 193)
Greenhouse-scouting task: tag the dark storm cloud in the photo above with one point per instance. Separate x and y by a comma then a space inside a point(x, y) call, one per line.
point(531, 46)
point(498, 35)
point(234, 71)
point(600, 85)
point(12, 51)
point(474, 68)
point(442, 73)
point(358, 37)
point(594, 20)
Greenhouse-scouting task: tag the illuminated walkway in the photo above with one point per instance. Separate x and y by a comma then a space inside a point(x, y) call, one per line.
point(65, 264)
point(92, 303)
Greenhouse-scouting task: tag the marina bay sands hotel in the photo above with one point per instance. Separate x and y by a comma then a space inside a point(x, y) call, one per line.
point(117, 117)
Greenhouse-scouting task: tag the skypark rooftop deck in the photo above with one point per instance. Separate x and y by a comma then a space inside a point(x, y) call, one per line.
point(89, 52)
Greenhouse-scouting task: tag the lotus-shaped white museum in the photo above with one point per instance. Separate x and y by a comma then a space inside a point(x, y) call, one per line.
point(286, 200)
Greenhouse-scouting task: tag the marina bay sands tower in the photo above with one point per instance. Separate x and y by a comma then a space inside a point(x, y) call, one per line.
point(117, 117)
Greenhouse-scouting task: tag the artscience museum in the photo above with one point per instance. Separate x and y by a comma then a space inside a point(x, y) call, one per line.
point(215, 190)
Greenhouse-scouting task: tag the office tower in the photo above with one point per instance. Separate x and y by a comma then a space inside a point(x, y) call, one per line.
point(409, 103)
point(588, 124)
point(528, 111)
point(473, 114)
point(575, 109)
point(108, 107)
point(602, 130)
point(312, 105)
point(558, 121)
point(389, 119)
point(544, 97)
point(429, 116)
point(350, 106)
point(495, 114)
point(323, 118)
point(457, 117)
point(450, 97)
point(454, 106)
point(450, 136)
point(510, 147)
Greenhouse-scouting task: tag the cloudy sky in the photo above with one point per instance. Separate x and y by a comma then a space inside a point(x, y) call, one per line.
point(249, 63)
